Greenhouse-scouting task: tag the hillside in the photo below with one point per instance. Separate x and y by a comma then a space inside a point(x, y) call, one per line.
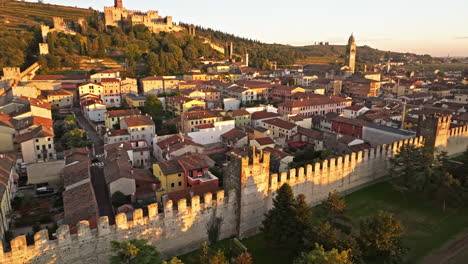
point(172, 53)
point(15, 15)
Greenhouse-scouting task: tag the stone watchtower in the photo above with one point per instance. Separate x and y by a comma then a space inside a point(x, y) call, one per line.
point(229, 50)
point(435, 129)
point(248, 173)
point(351, 53)
point(191, 30)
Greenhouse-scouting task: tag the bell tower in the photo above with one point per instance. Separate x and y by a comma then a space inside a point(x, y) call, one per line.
point(351, 53)
point(118, 4)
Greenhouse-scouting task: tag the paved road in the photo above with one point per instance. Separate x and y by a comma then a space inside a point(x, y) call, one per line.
point(97, 173)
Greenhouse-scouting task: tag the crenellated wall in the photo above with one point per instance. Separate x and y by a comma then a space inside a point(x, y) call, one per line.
point(181, 228)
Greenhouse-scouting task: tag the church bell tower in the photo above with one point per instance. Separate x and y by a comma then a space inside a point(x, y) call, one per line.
point(351, 53)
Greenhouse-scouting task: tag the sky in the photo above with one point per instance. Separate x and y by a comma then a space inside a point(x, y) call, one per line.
point(438, 28)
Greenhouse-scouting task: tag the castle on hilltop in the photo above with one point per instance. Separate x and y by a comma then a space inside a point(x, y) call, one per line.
point(117, 14)
point(178, 228)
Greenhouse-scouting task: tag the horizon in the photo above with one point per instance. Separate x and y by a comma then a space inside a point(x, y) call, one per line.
point(299, 27)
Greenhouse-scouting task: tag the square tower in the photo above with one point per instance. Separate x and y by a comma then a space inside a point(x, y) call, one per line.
point(435, 129)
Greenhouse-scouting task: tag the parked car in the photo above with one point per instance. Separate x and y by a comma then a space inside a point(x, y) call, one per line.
point(44, 190)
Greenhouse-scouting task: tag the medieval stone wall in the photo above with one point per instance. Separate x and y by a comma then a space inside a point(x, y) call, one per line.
point(174, 232)
point(252, 189)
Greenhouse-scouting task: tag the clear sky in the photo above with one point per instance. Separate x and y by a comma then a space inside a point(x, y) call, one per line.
point(435, 27)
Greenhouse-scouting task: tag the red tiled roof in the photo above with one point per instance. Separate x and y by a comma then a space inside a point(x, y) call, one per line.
point(350, 121)
point(277, 152)
point(202, 126)
point(5, 121)
point(314, 100)
point(265, 141)
point(110, 80)
point(139, 120)
point(355, 107)
point(124, 112)
point(280, 123)
point(263, 114)
point(234, 134)
point(38, 132)
point(200, 115)
point(117, 132)
point(240, 112)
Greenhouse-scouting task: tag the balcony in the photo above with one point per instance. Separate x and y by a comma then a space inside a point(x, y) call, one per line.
point(202, 178)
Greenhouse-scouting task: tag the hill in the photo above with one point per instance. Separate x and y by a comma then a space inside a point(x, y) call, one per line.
point(130, 46)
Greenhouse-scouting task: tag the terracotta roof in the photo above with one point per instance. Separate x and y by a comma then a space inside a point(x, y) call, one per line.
point(38, 132)
point(140, 120)
point(202, 126)
point(234, 134)
point(117, 133)
point(187, 162)
point(30, 121)
point(180, 99)
point(276, 152)
point(263, 114)
point(121, 113)
point(280, 123)
point(36, 102)
point(59, 77)
point(79, 200)
point(200, 115)
point(7, 162)
point(310, 133)
point(355, 107)
point(350, 121)
point(346, 139)
point(314, 100)
point(56, 93)
point(240, 112)
point(237, 89)
point(5, 121)
point(265, 141)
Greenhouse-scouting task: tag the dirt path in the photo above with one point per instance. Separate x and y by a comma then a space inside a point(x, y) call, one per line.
point(449, 251)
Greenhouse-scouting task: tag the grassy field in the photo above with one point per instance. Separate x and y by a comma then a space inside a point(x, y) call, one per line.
point(427, 227)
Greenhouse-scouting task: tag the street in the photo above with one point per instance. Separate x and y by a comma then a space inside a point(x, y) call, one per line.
point(97, 172)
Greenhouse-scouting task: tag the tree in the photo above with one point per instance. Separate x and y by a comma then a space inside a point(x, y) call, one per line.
point(320, 256)
point(76, 138)
point(134, 251)
point(153, 106)
point(118, 199)
point(410, 167)
point(244, 258)
point(209, 256)
point(332, 211)
point(282, 225)
point(380, 236)
point(173, 261)
point(152, 64)
point(303, 221)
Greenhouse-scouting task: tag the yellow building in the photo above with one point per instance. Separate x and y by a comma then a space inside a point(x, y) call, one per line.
point(133, 100)
point(194, 76)
point(61, 98)
point(179, 104)
point(190, 121)
point(171, 177)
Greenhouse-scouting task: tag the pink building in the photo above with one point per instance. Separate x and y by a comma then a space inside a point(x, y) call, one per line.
point(314, 105)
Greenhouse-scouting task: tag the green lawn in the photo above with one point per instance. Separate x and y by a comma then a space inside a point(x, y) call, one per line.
point(427, 227)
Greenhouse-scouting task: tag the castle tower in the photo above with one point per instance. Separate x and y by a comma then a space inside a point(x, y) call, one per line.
point(435, 129)
point(118, 4)
point(248, 174)
point(191, 30)
point(43, 48)
point(351, 53)
point(245, 58)
point(44, 32)
point(229, 50)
